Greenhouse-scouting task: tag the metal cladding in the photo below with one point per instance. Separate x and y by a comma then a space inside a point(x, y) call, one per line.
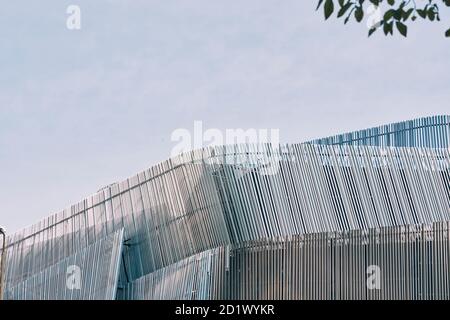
point(413, 263)
point(93, 273)
point(429, 132)
point(188, 279)
point(253, 221)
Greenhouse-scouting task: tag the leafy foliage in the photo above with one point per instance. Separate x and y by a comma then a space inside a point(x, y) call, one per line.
point(397, 15)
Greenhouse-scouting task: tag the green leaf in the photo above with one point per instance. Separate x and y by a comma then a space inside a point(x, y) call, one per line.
point(402, 28)
point(318, 4)
point(422, 13)
point(344, 9)
point(387, 28)
point(447, 33)
point(398, 14)
point(359, 14)
point(328, 8)
point(388, 15)
point(372, 30)
point(407, 14)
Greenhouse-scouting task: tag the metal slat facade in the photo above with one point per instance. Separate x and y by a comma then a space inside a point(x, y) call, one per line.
point(413, 263)
point(428, 132)
point(98, 264)
point(236, 195)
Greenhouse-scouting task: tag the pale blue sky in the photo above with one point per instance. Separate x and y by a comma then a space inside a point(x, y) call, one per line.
point(82, 109)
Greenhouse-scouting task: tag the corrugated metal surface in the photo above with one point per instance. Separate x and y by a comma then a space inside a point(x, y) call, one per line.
point(89, 274)
point(237, 194)
point(429, 132)
point(410, 262)
point(188, 279)
point(192, 207)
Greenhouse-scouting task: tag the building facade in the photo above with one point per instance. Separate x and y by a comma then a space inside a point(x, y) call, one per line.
point(362, 215)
